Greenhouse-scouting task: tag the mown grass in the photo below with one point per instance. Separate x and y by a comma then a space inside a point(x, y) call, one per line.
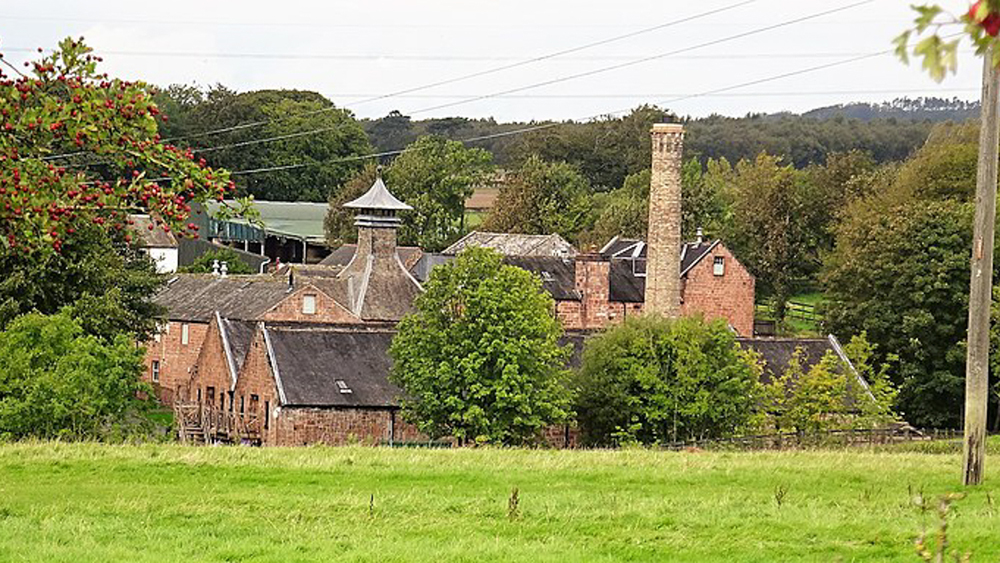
point(94, 503)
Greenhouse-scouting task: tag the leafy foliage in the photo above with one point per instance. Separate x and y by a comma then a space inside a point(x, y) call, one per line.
point(327, 156)
point(204, 264)
point(104, 282)
point(435, 176)
point(118, 162)
point(57, 383)
point(541, 198)
point(656, 380)
point(479, 359)
point(938, 55)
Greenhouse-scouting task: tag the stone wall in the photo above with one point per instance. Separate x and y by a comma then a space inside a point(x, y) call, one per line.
point(299, 426)
point(664, 235)
point(255, 378)
point(729, 296)
point(327, 310)
point(176, 359)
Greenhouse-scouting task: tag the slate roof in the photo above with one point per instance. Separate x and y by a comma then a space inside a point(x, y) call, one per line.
point(239, 336)
point(512, 244)
point(409, 255)
point(558, 275)
point(196, 297)
point(156, 238)
point(309, 362)
point(623, 283)
point(777, 352)
point(625, 249)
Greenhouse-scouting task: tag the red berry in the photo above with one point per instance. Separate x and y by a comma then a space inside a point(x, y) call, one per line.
point(990, 24)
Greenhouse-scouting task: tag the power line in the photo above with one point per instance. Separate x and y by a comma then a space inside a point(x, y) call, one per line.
point(550, 125)
point(490, 70)
point(560, 79)
point(449, 58)
point(648, 95)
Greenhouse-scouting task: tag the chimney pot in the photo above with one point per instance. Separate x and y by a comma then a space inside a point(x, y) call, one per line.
point(215, 267)
point(224, 270)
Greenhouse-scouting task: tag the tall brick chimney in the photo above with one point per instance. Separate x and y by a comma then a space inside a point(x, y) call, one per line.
point(663, 257)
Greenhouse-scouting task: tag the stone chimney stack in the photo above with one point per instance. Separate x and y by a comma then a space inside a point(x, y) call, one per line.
point(663, 257)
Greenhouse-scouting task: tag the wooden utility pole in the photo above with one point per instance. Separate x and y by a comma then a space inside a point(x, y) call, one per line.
point(981, 286)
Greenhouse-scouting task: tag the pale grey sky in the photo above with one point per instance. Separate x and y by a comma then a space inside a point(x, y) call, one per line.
point(352, 49)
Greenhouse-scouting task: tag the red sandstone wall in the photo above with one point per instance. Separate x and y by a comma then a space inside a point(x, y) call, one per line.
point(255, 378)
point(730, 296)
point(212, 370)
point(176, 359)
point(299, 426)
point(327, 310)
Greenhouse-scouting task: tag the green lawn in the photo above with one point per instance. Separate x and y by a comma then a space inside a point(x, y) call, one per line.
point(92, 503)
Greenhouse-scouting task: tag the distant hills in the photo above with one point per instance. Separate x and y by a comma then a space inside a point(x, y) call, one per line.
point(918, 109)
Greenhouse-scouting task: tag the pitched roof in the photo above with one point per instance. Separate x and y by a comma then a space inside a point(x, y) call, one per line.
point(151, 238)
point(777, 352)
point(197, 297)
point(236, 338)
point(378, 197)
point(310, 361)
point(342, 256)
point(189, 250)
point(558, 274)
point(513, 244)
point(691, 252)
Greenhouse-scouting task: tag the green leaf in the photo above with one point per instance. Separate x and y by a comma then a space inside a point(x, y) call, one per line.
point(901, 43)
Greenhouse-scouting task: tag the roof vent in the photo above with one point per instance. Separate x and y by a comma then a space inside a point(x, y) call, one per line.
point(342, 386)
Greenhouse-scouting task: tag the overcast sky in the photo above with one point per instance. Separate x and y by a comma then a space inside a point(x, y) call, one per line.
point(350, 50)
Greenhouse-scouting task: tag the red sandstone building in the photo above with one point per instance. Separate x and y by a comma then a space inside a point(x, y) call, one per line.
point(301, 356)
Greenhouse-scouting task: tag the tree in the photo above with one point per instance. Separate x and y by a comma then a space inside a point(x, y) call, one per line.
point(339, 220)
point(104, 282)
point(541, 198)
point(658, 380)
point(324, 159)
point(58, 383)
point(78, 148)
point(773, 225)
point(435, 176)
point(205, 264)
point(898, 274)
point(479, 359)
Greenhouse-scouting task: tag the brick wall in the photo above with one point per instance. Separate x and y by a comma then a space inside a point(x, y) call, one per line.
point(255, 378)
point(664, 238)
point(176, 359)
point(298, 426)
point(730, 296)
point(327, 310)
point(211, 379)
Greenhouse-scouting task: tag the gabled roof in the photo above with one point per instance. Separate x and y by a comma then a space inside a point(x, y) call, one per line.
point(236, 339)
point(632, 249)
point(311, 360)
point(197, 297)
point(151, 238)
point(378, 197)
point(342, 256)
point(558, 274)
point(513, 244)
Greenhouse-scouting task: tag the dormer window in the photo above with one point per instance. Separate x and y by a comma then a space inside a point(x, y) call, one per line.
point(309, 304)
point(719, 266)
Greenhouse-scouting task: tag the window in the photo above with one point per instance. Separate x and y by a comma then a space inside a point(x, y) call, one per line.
point(199, 395)
point(222, 401)
point(309, 304)
point(719, 267)
point(154, 368)
point(184, 334)
point(210, 395)
point(241, 404)
point(267, 415)
point(342, 385)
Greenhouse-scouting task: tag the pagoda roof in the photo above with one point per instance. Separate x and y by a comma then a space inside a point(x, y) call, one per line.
point(378, 197)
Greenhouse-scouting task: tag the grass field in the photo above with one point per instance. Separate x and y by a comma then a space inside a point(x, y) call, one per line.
point(92, 503)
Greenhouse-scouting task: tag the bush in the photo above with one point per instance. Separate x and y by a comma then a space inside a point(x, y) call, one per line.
point(653, 380)
point(58, 383)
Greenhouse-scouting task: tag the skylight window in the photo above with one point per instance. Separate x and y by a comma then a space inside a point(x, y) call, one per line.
point(342, 386)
